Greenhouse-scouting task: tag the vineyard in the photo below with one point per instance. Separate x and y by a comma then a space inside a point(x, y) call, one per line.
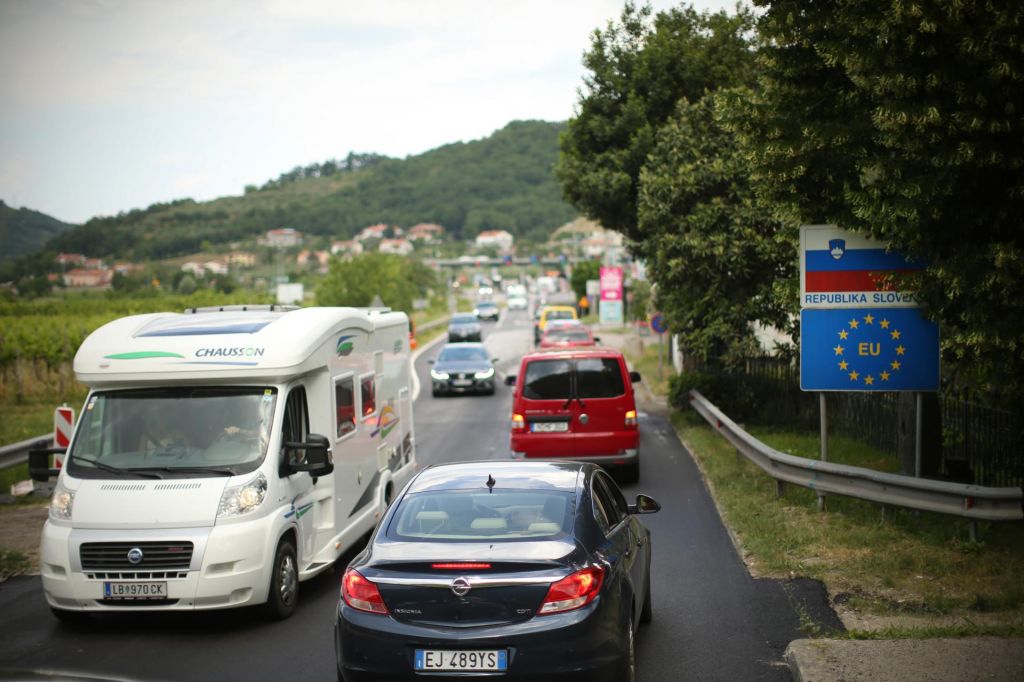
point(38, 341)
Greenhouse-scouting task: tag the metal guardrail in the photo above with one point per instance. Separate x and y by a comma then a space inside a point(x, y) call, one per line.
point(973, 502)
point(17, 453)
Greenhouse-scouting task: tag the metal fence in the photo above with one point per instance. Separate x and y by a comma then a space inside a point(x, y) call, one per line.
point(980, 443)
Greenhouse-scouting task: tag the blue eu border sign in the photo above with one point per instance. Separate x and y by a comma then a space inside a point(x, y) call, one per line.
point(868, 349)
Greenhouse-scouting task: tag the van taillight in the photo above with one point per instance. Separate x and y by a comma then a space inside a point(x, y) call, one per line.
point(573, 591)
point(361, 594)
point(518, 422)
point(631, 418)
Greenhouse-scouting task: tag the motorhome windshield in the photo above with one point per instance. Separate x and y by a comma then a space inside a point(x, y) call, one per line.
point(173, 432)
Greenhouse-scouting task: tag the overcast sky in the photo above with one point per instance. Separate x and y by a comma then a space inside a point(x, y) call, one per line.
point(110, 105)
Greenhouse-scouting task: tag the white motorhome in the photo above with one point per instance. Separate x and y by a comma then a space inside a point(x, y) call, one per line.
point(225, 455)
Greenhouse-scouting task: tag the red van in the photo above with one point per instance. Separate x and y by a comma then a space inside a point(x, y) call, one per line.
point(577, 404)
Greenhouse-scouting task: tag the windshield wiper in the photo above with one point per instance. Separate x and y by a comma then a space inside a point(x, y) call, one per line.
point(198, 470)
point(112, 469)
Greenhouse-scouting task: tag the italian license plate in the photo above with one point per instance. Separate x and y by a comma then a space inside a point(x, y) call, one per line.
point(433, 659)
point(461, 382)
point(549, 427)
point(135, 590)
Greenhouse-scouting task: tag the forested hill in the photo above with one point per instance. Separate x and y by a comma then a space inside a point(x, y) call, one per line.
point(25, 231)
point(504, 181)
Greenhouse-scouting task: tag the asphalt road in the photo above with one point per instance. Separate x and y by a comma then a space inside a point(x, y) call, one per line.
point(712, 621)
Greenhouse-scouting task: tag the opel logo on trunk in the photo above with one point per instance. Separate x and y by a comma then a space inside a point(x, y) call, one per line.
point(135, 555)
point(460, 586)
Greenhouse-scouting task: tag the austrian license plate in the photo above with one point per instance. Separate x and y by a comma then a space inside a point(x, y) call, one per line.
point(462, 382)
point(433, 659)
point(135, 590)
point(549, 427)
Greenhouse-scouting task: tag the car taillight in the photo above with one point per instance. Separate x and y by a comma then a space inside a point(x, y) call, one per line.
point(573, 591)
point(361, 594)
point(518, 422)
point(631, 418)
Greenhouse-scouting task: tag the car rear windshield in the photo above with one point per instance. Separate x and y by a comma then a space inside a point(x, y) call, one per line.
point(595, 378)
point(471, 515)
point(547, 380)
point(560, 315)
point(599, 378)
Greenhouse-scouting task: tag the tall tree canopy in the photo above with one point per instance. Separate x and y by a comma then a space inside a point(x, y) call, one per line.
point(721, 260)
point(396, 279)
point(903, 121)
point(638, 70)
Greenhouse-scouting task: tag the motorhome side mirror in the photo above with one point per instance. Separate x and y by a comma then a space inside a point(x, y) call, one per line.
point(510, 380)
point(644, 505)
point(318, 459)
point(39, 468)
point(634, 377)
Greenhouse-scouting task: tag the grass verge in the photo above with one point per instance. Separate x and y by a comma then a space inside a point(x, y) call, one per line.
point(12, 563)
point(914, 564)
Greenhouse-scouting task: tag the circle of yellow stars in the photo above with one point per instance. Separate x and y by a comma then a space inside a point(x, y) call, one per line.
point(869, 379)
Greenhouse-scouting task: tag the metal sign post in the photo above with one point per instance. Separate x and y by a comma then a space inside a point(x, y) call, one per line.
point(660, 326)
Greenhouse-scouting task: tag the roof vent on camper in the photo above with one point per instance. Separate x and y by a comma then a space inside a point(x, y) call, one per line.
point(243, 307)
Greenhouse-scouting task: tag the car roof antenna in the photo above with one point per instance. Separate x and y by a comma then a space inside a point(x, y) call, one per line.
point(490, 483)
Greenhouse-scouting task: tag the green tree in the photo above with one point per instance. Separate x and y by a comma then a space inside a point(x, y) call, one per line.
point(902, 121)
point(396, 279)
point(638, 70)
point(581, 272)
point(714, 251)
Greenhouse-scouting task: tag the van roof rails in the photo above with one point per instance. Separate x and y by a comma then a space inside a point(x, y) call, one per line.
point(243, 307)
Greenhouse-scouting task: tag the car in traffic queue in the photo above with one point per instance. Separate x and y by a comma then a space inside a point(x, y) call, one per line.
point(550, 313)
point(462, 368)
point(464, 327)
point(516, 302)
point(567, 336)
point(576, 403)
point(499, 570)
point(486, 310)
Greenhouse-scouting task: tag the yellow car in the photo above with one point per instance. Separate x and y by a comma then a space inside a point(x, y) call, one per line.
point(552, 312)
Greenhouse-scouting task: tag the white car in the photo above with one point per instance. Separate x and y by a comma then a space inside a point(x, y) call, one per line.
point(517, 303)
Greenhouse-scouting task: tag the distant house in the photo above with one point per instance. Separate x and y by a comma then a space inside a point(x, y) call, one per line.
point(94, 264)
point(70, 259)
point(240, 259)
point(500, 239)
point(372, 232)
point(322, 259)
point(428, 233)
point(128, 268)
point(401, 247)
point(596, 245)
point(215, 267)
point(346, 248)
point(284, 237)
point(91, 278)
point(194, 268)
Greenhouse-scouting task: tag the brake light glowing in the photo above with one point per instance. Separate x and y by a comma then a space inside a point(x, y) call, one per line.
point(461, 566)
point(631, 418)
point(361, 594)
point(518, 422)
point(573, 591)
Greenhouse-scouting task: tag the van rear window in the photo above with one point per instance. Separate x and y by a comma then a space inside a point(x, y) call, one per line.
point(547, 380)
point(598, 378)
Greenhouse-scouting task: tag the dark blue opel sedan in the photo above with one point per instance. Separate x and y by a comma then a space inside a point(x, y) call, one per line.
point(523, 570)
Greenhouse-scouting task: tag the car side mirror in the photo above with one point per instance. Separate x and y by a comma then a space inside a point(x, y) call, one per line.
point(314, 456)
point(644, 505)
point(597, 339)
point(39, 468)
point(430, 362)
point(510, 380)
point(634, 377)
point(494, 361)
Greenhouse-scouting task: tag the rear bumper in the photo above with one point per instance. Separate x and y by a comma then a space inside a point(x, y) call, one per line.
point(578, 645)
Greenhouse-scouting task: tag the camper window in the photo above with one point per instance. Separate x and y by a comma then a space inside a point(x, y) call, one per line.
point(367, 395)
point(345, 406)
point(295, 426)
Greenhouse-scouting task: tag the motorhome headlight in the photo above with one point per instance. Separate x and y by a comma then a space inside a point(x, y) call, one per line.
point(61, 502)
point(486, 374)
point(242, 499)
point(440, 376)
